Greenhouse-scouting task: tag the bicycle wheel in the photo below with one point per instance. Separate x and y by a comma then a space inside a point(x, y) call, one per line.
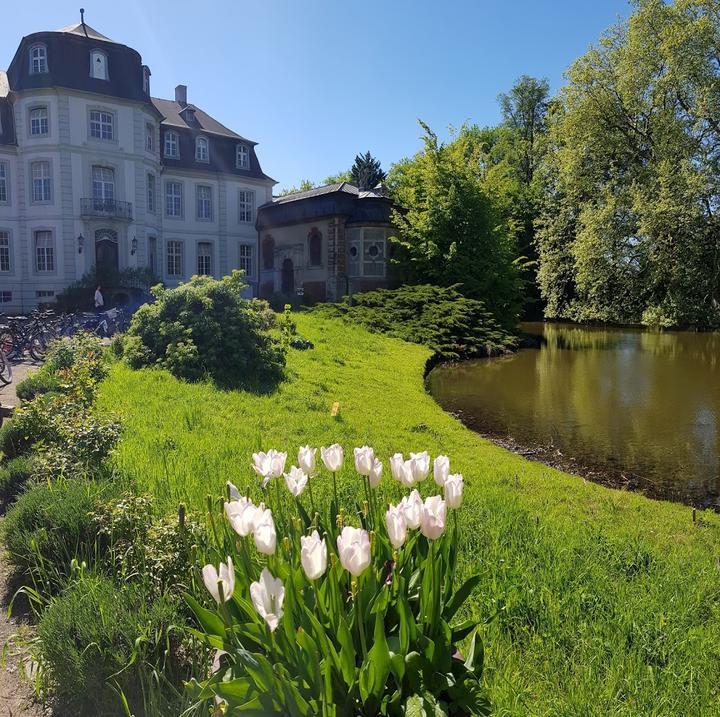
point(5, 369)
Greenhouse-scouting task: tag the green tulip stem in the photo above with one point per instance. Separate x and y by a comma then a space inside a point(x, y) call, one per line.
point(431, 567)
point(312, 500)
point(337, 505)
point(277, 492)
point(361, 620)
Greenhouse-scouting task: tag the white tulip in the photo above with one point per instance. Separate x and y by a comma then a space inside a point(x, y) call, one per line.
point(264, 533)
point(432, 518)
point(313, 555)
point(242, 515)
point(364, 458)
point(441, 469)
point(307, 460)
point(396, 525)
point(454, 486)
point(234, 492)
point(332, 457)
point(420, 465)
point(354, 549)
point(375, 473)
point(269, 465)
point(412, 509)
point(215, 579)
point(401, 470)
point(296, 480)
point(267, 596)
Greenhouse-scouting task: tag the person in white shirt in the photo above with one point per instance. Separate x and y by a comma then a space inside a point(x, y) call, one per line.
point(99, 301)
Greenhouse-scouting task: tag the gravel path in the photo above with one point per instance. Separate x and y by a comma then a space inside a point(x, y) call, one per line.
point(16, 693)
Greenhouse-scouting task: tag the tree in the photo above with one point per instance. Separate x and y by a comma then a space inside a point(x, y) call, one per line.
point(524, 109)
point(344, 176)
point(629, 230)
point(305, 185)
point(366, 172)
point(454, 227)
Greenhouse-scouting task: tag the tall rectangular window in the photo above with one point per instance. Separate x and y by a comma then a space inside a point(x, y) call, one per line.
point(246, 205)
point(242, 157)
point(204, 258)
point(246, 259)
point(4, 251)
point(151, 192)
point(41, 181)
point(204, 202)
point(4, 182)
point(44, 251)
point(149, 137)
point(174, 258)
point(103, 184)
point(172, 148)
point(101, 125)
point(174, 199)
point(39, 126)
point(38, 60)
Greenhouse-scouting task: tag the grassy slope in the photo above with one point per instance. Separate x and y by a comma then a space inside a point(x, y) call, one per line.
point(604, 602)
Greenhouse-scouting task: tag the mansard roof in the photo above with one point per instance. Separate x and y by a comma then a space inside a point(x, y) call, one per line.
point(172, 112)
point(338, 199)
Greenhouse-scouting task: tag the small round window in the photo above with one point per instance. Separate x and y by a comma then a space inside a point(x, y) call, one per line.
point(373, 251)
point(353, 252)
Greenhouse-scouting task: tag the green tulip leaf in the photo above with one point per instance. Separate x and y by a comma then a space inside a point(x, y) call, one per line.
point(460, 596)
point(209, 621)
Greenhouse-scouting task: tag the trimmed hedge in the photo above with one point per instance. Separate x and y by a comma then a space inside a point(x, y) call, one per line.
point(14, 475)
point(441, 318)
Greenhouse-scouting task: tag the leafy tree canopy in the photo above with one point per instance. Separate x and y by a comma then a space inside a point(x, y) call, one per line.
point(631, 185)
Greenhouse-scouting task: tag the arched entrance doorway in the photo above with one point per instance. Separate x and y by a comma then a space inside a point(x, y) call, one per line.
point(106, 254)
point(287, 277)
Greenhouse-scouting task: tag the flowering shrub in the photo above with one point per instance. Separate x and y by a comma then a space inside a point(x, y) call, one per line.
point(349, 612)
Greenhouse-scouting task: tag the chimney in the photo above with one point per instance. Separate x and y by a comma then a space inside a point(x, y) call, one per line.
point(181, 95)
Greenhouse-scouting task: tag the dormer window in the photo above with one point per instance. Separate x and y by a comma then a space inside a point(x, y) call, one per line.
point(146, 79)
point(171, 145)
point(242, 157)
point(98, 65)
point(38, 60)
point(202, 153)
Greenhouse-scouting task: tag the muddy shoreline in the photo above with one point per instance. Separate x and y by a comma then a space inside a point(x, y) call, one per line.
point(605, 475)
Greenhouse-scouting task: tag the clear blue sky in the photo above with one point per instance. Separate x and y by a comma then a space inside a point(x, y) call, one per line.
point(316, 81)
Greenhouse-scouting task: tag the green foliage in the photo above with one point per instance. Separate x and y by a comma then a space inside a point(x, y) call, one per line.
point(36, 384)
point(49, 526)
point(79, 295)
point(142, 545)
point(366, 172)
point(628, 231)
point(204, 328)
point(13, 441)
point(442, 319)
point(14, 475)
point(97, 640)
point(455, 227)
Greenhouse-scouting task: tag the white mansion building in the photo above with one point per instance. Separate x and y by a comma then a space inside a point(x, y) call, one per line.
point(95, 172)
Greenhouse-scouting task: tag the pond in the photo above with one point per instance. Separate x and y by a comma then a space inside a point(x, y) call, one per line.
point(625, 407)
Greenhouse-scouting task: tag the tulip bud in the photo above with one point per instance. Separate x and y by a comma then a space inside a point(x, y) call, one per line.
point(432, 518)
point(354, 549)
point(307, 460)
point(296, 480)
point(264, 533)
point(419, 465)
point(453, 489)
point(332, 457)
point(441, 470)
point(313, 555)
point(220, 582)
point(364, 458)
point(396, 526)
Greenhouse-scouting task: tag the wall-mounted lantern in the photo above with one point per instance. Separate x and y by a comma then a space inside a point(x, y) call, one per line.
point(81, 243)
point(133, 246)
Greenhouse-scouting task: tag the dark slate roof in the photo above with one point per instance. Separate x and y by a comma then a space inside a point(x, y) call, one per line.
point(341, 198)
point(84, 30)
point(171, 110)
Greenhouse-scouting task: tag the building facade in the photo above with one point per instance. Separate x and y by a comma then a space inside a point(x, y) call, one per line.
point(95, 172)
point(325, 243)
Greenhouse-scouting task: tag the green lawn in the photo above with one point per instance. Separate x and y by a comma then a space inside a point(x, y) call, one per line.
point(598, 602)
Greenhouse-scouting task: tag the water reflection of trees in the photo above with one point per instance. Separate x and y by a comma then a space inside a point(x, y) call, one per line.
point(651, 406)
